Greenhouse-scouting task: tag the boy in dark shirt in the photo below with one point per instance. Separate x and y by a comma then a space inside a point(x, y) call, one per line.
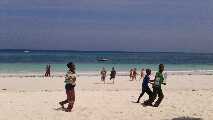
point(145, 86)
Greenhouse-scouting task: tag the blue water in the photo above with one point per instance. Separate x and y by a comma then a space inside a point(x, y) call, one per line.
point(20, 62)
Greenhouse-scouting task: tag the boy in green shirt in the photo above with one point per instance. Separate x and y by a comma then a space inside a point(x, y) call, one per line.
point(157, 91)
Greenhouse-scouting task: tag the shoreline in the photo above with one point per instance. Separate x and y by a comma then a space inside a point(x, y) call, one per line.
point(96, 73)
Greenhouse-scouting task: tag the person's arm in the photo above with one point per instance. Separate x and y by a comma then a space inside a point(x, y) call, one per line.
point(74, 79)
point(163, 81)
point(66, 76)
point(152, 81)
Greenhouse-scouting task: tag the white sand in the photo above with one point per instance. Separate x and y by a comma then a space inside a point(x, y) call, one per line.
point(36, 98)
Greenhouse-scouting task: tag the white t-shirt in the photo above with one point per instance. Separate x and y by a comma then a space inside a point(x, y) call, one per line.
point(70, 78)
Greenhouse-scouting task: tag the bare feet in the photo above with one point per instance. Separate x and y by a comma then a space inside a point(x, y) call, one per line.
point(61, 104)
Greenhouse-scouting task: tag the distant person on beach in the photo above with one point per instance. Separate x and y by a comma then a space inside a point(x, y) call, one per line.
point(70, 84)
point(157, 91)
point(142, 73)
point(134, 74)
point(47, 73)
point(131, 74)
point(112, 75)
point(103, 74)
point(145, 86)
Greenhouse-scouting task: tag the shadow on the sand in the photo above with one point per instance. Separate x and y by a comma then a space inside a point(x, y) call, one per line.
point(103, 83)
point(187, 118)
point(135, 102)
point(143, 104)
point(59, 109)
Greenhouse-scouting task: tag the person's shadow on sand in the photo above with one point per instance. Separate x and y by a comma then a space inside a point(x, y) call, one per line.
point(102, 83)
point(58, 109)
point(141, 104)
point(187, 118)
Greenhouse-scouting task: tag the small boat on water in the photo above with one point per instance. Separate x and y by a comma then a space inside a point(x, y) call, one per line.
point(26, 51)
point(102, 59)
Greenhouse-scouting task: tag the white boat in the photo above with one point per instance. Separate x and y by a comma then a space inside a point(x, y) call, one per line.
point(26, 51)
point(102, 59)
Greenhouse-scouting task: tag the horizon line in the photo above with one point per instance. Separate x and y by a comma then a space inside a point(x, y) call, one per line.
point(119, 51)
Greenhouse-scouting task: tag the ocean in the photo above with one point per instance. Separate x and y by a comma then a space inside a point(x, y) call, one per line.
point(22, 61)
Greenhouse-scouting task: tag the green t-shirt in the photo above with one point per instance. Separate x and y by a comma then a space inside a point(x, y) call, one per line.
point(158, 79)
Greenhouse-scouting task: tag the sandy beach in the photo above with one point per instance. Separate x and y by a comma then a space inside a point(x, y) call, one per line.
point(36, 98)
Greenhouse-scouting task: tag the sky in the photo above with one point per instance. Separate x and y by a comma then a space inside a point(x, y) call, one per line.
point(107, 25)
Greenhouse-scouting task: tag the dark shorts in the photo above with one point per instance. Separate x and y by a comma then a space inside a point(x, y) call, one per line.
point(112, 77)
point(69, 86)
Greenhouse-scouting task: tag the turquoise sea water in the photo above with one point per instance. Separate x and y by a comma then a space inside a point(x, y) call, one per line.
point(18, 61)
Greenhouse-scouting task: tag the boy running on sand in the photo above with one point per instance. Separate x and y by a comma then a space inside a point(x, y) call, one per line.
point(157, 91)
point(145, 86)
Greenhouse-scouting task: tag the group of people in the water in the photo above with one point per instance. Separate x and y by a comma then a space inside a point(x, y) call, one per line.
point(70, 83)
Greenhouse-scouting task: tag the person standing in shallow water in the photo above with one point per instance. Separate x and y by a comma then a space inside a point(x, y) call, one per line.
point(112, 75)
point(47, 73)
point(70, 83)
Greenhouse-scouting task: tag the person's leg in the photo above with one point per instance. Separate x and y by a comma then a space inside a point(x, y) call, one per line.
point(160, 98)
point(45, 74)
point(49, 74)
point(71, 100)
point(152, 97)
point(65, 101)
point(142, 93)
point(104, 80)
point(149, 92)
